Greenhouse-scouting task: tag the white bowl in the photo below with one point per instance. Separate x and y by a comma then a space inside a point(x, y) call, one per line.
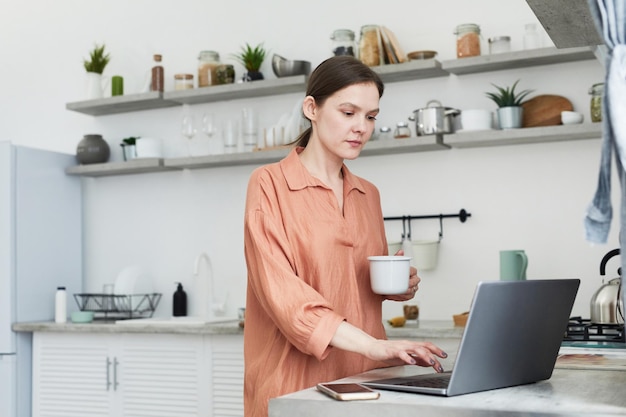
point(476, 119)
point(389, 274)
point(571, 117)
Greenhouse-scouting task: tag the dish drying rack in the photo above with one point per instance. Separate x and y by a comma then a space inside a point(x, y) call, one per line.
point(118, 306)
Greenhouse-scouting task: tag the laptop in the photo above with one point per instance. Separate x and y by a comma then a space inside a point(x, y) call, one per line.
point(512, 337)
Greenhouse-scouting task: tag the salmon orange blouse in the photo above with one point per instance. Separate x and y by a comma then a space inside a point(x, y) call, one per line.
point(307, 272)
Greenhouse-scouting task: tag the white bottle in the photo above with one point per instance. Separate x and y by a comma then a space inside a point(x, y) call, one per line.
point(60, 305)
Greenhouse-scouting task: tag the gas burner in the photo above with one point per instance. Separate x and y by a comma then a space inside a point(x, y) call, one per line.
point(579, 329)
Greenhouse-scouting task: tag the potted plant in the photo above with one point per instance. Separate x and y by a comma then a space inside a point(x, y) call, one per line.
point(252, 59)
point(129, 148)
point(509, 103)
point(94, 66)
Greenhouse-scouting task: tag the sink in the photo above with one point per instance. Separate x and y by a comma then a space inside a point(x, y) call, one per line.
point(178, 321)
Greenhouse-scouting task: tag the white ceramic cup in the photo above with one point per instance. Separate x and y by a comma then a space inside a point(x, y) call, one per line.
point(571, 117)
point(476, 119)
point(389, 275)
point(148, 148)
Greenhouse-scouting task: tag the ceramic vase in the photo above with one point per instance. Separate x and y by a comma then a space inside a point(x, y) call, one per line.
point(92, 149)
point(510, 117)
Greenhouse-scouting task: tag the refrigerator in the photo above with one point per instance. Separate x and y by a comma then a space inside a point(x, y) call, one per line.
point(40, 249)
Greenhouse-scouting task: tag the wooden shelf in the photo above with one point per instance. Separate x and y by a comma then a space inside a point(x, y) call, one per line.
point(121, 104)
point(527, 135)
point(517, 59)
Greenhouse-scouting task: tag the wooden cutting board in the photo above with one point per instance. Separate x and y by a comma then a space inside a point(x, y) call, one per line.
point(545, 110)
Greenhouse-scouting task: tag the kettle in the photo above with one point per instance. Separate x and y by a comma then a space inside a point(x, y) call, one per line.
point(607, 306)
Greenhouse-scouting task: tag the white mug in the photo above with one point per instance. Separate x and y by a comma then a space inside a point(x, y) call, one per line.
point(148, 148)
point(389, 275)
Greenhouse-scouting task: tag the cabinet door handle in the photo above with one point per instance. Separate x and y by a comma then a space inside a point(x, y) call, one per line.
point(115, 383)
point(108, 366)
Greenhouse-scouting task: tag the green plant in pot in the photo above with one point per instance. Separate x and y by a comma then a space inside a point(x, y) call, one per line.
point(252, 59)
point(509, 102)
point(128, 147)
point(95, 65)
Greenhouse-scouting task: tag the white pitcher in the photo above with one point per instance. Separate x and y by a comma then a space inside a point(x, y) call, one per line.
point(95, 85)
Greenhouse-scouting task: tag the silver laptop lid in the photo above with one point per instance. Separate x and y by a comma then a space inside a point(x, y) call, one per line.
point(513, 334)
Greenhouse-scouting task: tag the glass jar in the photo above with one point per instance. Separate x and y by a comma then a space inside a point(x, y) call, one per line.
point(385, 133)
point(499, 44)
point(402, 130)
point(370, 48)
point(531, 36)
point(343, 42)
point(467, 40)
point(596, 91)
point(208, 61)
point(183, 82)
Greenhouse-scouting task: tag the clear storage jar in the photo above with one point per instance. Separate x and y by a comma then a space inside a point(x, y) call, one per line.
point(208, 61)
point(499, 44)
point(596, 91)
point(343, 42)
point(370, 47)
point(402, 130)
point(467, 40)
point(183, 82)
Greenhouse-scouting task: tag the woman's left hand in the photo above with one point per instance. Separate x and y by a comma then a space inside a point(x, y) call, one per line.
point(414, 281)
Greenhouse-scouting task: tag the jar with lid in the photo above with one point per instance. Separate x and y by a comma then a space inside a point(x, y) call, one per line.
point(370, 48)
point(157, 81)
point(467, 40)
point(499, 44)
point(343, 42)
point(531, 36)
point(208, 61)
point(183, 82)
point(596, 91)
point(385, 133)
point(402, 130)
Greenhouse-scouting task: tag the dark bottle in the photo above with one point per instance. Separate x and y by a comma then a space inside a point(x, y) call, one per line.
point(180, 302)
point(157, 75)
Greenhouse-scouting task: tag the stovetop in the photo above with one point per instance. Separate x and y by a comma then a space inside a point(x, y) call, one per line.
point(582, 333)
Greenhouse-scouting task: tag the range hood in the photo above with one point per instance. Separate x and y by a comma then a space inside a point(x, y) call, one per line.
point(568, 22)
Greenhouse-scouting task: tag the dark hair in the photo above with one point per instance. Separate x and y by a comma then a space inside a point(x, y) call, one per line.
point(333, 75)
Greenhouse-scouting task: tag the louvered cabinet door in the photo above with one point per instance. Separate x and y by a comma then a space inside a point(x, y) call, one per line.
point(72, 375)
point(226, 375)
point(161, 376)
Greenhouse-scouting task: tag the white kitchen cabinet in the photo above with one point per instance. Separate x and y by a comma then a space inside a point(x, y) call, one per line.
point(119, 375)
point(226, 375)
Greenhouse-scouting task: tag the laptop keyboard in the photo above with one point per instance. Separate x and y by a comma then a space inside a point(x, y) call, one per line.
point(436, 381)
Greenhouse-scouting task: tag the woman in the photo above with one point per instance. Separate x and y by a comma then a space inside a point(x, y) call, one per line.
point(310, 225)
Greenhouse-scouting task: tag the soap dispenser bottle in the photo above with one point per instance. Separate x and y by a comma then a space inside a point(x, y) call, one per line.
point(180, 302)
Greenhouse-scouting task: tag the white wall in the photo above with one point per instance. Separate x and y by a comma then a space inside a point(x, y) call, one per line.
point(526, 196)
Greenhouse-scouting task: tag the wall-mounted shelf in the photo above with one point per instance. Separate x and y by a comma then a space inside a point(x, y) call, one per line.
point(121, 104)
point(524, 136)
point(408, 71)
point(517, 59)
point(374, 148)
point(261, 88)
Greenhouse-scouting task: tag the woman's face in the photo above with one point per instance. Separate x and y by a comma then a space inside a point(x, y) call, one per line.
point(345, 121)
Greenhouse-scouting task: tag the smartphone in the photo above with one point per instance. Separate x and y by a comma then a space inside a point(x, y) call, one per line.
point(347, 391)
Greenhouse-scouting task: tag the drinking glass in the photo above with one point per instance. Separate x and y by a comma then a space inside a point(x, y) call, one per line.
point(188, 130)
point(208, 124)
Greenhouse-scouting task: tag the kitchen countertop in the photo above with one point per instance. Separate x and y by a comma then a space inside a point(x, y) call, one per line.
point(569, 392)
point(426, 329)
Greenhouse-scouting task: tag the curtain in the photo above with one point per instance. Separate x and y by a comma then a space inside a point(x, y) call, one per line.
point(610, 19)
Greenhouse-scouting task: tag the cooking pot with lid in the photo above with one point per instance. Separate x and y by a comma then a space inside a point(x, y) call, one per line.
point(434, 119)
point(607, 306)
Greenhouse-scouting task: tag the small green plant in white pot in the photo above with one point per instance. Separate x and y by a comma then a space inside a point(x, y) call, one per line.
point(510, 110)
point(95, 65)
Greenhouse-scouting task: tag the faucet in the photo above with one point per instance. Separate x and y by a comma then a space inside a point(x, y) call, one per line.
point(217, 308)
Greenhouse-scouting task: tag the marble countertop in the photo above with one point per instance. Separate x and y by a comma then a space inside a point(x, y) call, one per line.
point(569, 392)
point(224, 328)
point(427, 329)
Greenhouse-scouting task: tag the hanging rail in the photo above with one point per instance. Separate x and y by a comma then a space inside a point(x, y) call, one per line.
point(462, 215)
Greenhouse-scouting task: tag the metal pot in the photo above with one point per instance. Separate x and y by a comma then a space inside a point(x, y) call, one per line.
point(434, 119)
point(606, 305)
